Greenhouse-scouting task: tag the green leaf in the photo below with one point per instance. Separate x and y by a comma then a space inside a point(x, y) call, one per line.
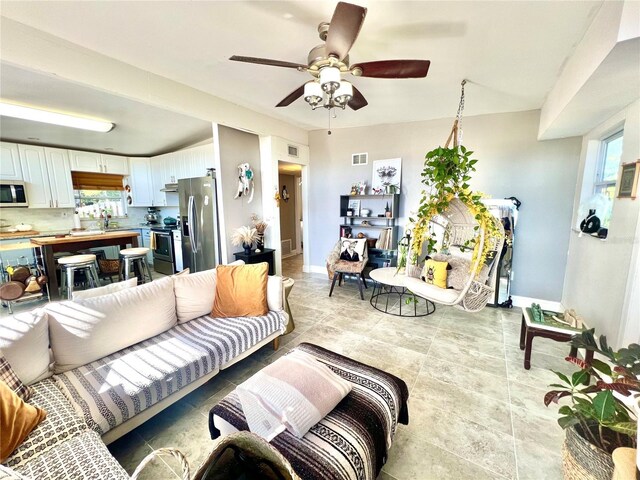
point(601, 366)
point(580, 377)
point(562, 376)
point(568, 421)
point(628, 428)
point(565, 410)
point(604, 406)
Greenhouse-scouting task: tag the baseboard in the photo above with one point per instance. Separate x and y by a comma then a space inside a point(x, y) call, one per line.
point(314, 269)
point(522, 302)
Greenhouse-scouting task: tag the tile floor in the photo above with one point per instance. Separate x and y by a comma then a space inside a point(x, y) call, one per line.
point(474, 411)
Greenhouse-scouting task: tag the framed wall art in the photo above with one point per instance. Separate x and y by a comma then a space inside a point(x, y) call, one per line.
point(386, 176)
point(628, 182)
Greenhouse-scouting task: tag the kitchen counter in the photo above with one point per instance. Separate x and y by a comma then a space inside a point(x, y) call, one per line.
point(108, 235)
point(51, 233)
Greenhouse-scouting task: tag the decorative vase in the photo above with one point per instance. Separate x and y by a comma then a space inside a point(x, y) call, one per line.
point(247, 248)
point(581, 460)
point(260, 241)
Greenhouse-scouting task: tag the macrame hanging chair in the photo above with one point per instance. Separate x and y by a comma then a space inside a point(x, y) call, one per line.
point(460, 231)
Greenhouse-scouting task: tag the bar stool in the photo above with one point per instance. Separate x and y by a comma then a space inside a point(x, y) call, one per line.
point(136, 257)
point(71, 264)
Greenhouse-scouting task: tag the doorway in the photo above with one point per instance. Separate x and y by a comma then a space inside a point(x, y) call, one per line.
point(291, 217)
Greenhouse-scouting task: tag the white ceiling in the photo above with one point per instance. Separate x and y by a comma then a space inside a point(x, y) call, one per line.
point(140, 129)
point(511, 52)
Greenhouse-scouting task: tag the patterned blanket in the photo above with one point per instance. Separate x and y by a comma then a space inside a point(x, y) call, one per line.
point(111, 390)
point(352, 441)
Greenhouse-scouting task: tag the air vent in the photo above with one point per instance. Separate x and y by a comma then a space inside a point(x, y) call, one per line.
point(285, 246)
point(292, 150)
point(359, 159)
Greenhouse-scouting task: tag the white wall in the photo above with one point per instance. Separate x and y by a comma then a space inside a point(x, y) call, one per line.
point(512, 162)
point(599, 272)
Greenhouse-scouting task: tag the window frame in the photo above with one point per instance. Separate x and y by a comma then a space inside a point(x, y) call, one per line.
point(598, 182)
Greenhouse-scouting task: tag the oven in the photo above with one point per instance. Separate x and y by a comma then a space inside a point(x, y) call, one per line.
point(163, 258)
point(13, 194)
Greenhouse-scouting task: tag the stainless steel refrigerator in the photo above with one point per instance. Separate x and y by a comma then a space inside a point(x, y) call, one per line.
point(199, 223)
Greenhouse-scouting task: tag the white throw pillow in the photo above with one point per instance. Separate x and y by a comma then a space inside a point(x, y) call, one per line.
point(85, 330)
point(24, 341)
point(352, 249)
point(194, 294)
point(107, 289)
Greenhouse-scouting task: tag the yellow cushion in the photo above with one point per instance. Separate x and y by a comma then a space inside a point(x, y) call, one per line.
point(17, 419)
point(241, 291)
point(435, 273)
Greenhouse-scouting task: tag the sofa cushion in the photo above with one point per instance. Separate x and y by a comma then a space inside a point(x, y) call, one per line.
point(85, 330)
point(17, 420)
point(24, 341)
point(61, 424)
point(194, 294)
point(109, 391)
point(84, 456)
point(447, 296)
point(111, 288)
point(241, 291)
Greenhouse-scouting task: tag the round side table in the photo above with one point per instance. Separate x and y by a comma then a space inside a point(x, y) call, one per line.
point(287, 284)
point(387, 283)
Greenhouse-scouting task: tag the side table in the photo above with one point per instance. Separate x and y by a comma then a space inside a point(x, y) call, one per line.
point(530, 329)
point(287, 284)
point(388, 283)
point(266, 255)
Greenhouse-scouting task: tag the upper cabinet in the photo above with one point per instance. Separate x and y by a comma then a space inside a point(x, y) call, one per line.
point(10, 162)
point(98, 163)
point(115, 164)
point(85, 161)
point(59, 170)
point(140, 182)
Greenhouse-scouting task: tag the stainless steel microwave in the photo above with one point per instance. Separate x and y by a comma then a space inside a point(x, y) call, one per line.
point(13, 194)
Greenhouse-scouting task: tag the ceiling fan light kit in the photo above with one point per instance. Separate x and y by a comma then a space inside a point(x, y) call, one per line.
point(329, 61)
point(54, 118)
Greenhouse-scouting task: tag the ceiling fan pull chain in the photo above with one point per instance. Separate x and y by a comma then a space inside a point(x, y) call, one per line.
point(329, 130)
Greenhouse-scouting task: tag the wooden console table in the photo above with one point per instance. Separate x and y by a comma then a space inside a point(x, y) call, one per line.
point(51, 245)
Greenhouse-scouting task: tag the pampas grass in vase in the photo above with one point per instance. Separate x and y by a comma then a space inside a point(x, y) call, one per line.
point(245, 237)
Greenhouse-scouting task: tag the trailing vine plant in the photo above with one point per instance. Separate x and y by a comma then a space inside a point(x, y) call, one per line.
point(446, 174)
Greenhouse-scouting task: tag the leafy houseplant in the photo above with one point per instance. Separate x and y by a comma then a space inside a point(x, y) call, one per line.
point(446, 174)
point(245, 237)
point(594, 412)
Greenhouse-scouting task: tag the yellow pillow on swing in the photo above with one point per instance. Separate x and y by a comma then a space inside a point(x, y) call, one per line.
point(435, 273)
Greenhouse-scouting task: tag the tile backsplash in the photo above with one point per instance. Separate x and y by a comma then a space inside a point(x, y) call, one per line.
point(61, 219)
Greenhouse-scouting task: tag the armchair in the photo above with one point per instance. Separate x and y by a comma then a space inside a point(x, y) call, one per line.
point(336, 268)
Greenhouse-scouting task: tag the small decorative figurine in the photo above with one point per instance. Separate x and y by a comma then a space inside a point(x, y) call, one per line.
point(591, 224)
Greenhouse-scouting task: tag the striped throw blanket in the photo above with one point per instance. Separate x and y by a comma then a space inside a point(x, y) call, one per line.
point(111, 390)
point(352, 441)
point(295, 392)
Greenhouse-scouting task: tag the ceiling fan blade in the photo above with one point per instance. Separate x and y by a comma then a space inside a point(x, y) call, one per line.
point(394, 68)
point(357, 101)
point(292, 97)
point(344, 28)
point(267, 61)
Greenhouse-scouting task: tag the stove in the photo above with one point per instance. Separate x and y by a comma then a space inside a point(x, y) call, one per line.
point(160, 228)
point(164, 255)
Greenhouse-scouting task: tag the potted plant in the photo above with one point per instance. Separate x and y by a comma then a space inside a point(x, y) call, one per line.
point(597, 411)
point(245, 237)
point(446, 173)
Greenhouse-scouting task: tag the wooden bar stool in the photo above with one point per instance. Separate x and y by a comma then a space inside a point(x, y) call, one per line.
point(71, 264)
point(136, 258)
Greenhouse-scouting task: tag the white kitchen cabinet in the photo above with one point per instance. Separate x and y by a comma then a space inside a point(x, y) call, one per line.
point(36, 176)
point(158, 180)
point(10, 168)
point(59, 170)
point(115, 164)
point(85, 161)
point(141, 182)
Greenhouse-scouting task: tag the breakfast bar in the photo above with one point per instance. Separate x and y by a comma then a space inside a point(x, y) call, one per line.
point(70, 243)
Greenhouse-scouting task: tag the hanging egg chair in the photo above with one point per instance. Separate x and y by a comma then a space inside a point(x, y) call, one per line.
point(469, 239)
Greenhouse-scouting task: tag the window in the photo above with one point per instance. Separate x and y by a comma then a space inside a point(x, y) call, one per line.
point(606, 177)
point(91, 203)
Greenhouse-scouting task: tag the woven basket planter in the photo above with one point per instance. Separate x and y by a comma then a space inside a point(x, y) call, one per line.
point(583, 461)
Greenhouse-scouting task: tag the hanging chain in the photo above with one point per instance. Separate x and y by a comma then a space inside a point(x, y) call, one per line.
point(460, 110)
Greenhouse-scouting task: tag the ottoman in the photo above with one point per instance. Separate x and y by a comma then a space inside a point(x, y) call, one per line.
point(352, 441)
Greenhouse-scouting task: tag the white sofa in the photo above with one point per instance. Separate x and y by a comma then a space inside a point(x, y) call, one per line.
point(101, 366)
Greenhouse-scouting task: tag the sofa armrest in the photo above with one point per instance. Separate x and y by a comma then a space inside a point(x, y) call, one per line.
point(275, 293)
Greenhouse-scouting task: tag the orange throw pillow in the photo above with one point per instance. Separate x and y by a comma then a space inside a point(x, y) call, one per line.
point(241, 291)
point(17, 419)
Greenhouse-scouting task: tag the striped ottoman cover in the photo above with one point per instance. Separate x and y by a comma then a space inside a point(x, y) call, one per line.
point(351, 442)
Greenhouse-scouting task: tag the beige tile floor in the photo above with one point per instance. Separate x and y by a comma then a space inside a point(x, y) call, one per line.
point(474, 411)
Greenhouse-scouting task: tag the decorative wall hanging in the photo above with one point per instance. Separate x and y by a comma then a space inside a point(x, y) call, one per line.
point(285, 194)
point(246, 186)
point(629, 180)
point(386, 176)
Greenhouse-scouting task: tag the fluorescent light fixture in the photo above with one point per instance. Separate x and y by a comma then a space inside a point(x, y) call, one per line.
point(45, 116)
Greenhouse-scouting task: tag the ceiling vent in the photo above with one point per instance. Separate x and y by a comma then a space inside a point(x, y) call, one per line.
point(359, 159)
point(292, 151)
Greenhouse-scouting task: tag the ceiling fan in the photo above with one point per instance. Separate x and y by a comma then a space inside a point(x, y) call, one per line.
point(328, 61)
